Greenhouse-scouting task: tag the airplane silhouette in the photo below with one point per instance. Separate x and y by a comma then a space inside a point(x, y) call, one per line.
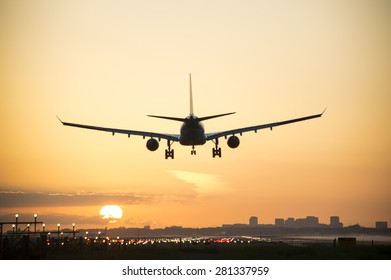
point(192, 132)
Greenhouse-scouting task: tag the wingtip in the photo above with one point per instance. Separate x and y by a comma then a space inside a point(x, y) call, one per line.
point(323, 111)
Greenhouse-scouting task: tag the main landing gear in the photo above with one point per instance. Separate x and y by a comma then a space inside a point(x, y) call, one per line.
point(169, 151)
point(216, 151)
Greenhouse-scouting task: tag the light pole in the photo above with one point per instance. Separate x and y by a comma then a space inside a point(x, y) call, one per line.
point(58, 232)
point(28, 229)
point(73, 230)
point(35, 223)
point(43, 228)
point(16, 222)
point(13, 229)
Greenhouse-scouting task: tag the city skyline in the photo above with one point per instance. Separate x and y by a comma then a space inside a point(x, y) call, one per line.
point(113, 63)
point(253, 221)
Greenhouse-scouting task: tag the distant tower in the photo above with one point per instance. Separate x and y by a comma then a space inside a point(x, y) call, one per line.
point(335, 223)
point(279, 222)
point(381, 225)
point(290, 222)
point(312, 221)
point(253, 221)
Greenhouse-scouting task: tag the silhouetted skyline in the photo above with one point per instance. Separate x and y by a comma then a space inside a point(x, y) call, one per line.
point(289, 223)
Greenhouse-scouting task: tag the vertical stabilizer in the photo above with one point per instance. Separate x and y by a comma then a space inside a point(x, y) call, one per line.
point(191, 97)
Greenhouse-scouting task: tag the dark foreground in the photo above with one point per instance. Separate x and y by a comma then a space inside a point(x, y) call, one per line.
point(251, 252)
point(205, 251)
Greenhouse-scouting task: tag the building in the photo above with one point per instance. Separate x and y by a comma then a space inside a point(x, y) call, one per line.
point(381, 225)
point(312, 221)
point(279, 222)
point(253, 221)
point(308, 222)
point(335, 223)
point(334, 220)
point(290, 222)
point(300, 223)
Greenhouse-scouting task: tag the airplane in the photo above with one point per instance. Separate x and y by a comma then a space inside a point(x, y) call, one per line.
point(192, 132)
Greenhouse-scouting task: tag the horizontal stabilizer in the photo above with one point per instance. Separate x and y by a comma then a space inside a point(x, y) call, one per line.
point(168, 118)
point(215, 116)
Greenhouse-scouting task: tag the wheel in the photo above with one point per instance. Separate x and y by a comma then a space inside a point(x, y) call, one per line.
point(216, 152)
point(169, 154)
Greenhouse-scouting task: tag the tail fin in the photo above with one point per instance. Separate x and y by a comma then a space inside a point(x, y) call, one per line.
point(191, 110)
point(191, 97)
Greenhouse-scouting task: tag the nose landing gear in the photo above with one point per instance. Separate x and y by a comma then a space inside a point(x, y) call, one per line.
point(193, 151)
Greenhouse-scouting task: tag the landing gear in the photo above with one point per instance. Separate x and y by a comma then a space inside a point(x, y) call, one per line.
point(169, 154)
point(216, 151)
point(193, 151)
point(169, 151)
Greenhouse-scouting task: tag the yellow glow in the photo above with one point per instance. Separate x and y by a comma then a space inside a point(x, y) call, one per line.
point(111, 212)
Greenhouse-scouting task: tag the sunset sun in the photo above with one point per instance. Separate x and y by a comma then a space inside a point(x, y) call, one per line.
point(111, 212)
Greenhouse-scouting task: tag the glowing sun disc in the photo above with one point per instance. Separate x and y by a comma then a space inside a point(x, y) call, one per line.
point(111, 212)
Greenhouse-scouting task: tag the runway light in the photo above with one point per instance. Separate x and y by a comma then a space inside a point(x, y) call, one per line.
point(35, 223)
point(16, 222)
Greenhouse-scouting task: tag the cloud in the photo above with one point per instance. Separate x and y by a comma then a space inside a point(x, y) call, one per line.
point(51, 220)
point(204, 183)
point(23, 199)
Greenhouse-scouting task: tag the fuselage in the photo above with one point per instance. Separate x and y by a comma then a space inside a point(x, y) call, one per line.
point(192, 132)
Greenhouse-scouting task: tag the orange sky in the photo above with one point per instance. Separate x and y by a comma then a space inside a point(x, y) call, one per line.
point(112, 63)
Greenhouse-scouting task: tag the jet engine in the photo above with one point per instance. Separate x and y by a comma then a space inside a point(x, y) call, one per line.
point(152, 144)
point(233, 142)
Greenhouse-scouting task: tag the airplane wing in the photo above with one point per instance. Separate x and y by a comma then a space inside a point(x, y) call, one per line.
point(215, 135)
point(172, 137)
